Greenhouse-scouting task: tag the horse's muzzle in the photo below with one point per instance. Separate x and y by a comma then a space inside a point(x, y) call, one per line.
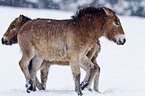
point(4, 41)
point(121, 41)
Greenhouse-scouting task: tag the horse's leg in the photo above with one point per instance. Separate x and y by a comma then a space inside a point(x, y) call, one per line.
point(96, 73)
point(89, 88)
point(75, 66)
point(38, 84)
point(90, 69)
point(36, 63)
point(44, 72)
point(96, 79)
point(96, 48)
point(23, 63)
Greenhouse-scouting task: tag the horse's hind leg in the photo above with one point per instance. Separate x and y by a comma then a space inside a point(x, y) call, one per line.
point(95, 49)
point(90, 69)
point(96, 79)
point(38, 84)
point(44, 73)
point(96, 73)
point(36, 63)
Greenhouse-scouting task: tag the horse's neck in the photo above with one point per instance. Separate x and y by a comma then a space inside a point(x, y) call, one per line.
point(92, 30)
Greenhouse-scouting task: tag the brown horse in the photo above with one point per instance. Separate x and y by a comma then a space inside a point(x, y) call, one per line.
point(10, 37)
point(68, 40)
point(116, 23)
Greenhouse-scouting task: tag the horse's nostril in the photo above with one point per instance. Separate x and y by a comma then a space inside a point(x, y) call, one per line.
point(4, 41)
point(124, 40)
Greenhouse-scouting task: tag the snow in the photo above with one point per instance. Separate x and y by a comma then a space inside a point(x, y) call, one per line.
point(122, 67)
point(33, 1)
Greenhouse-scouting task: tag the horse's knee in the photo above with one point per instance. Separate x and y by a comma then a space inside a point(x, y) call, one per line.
point(21, 64)
point(97, 68)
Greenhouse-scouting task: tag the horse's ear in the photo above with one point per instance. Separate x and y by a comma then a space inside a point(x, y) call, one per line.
point(107, 12)
point(23, 18)
point(20, 18)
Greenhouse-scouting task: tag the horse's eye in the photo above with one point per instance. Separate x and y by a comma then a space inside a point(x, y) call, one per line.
point(116, 23)
point(12, 27)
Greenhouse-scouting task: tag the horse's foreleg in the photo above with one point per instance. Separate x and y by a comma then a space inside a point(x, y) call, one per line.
point(75, 66)
point(23, 63)
point(44, 73)
point(90, 69)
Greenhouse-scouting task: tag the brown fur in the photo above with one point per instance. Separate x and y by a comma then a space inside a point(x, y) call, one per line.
point(68, 40)
point(10, 37)
point(11, 34)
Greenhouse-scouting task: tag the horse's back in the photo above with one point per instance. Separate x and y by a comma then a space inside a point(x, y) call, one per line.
point(46, 37)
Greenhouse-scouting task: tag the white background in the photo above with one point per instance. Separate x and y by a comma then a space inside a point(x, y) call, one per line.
point(122, 67)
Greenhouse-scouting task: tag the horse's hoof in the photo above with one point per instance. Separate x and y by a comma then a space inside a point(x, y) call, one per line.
point(83, 85)
point(80, 93)
point(43, 88)
point(29, 86)
point(90, 89)
point(40, 86)
point(28, 91)
point(97, 91)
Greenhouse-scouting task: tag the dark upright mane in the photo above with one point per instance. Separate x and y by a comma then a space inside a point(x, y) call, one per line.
point(88, 10)
point(26, 18)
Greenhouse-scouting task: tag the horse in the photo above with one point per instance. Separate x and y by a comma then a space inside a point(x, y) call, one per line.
point(10, 37)
point(68, 40)
point(117, 23)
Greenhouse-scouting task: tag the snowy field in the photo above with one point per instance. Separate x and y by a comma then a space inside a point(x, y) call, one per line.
point(122, 67)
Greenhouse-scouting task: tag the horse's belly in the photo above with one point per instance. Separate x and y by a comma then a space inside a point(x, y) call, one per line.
point(53, 53)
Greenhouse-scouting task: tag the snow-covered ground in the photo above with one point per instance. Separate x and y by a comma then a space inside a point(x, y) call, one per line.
point(122, 67)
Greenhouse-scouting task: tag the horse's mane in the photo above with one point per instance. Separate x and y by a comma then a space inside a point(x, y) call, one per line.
point(88, 10)
point(26, 18)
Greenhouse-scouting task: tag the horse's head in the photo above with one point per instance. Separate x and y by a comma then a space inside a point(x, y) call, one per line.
point(112, 27)
point(103, 18)
point(10, 37)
